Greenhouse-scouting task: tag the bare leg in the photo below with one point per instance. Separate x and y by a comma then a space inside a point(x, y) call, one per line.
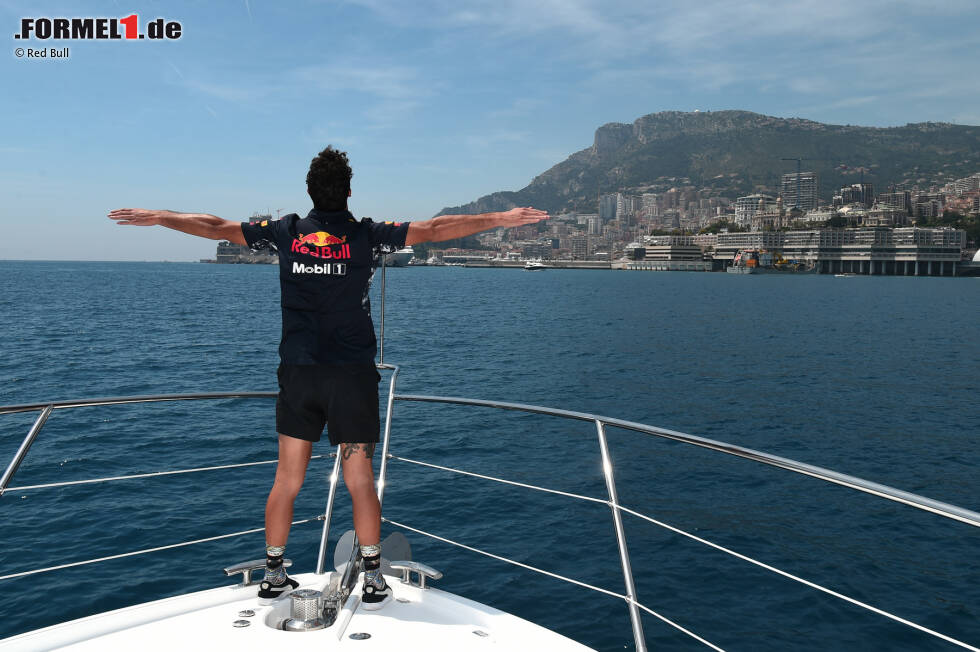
point(294, 455)
point(359, 478)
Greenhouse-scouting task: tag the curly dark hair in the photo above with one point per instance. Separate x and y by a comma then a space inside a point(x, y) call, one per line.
point(328, 180)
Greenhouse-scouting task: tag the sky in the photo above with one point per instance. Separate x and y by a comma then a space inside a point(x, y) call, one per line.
point(437, 102)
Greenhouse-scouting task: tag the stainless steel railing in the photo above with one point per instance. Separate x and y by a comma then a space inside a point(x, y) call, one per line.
point(630, 597)
point(883, 491)
point(335, 473)
point(46, 407)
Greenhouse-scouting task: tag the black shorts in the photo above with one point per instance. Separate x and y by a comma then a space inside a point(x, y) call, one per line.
point(344, 398)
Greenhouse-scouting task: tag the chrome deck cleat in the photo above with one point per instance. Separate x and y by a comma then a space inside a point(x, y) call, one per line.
point(421, 570)
point(246, 568)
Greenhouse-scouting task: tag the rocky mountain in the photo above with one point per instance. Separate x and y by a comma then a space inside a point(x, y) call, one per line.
point(734, 153)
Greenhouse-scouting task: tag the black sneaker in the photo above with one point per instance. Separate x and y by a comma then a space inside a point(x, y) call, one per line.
point(373, 596)
point(268, 592)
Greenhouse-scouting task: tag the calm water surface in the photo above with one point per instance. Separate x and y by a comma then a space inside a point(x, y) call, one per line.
point(870, 376)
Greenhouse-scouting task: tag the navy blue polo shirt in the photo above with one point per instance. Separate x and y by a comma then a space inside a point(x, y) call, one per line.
point(326, 263)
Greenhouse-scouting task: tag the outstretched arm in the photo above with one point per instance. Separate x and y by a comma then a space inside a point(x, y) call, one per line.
point(449, 227)
point(199, 224)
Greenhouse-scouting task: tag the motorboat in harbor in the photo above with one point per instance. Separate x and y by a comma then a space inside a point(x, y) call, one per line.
point(400, 258)
point(534, 265)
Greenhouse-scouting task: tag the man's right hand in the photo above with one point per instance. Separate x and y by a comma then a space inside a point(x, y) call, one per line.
point(199, 224)
point(137, 216)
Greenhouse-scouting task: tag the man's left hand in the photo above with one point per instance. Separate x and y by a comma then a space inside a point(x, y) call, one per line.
point(522, 216)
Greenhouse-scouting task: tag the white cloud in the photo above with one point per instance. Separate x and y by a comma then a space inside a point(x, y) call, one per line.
point(495, 137)
point(394, 90)
point(616, 29)
point(389, 81)
point(386, 93)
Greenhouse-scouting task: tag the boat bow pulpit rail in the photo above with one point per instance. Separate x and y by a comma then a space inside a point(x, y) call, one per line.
point(633, 603)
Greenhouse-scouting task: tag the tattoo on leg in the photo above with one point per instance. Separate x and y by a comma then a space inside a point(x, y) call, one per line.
point(347, 450)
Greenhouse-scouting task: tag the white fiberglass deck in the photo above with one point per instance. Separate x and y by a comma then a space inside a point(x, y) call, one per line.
point(417, 619)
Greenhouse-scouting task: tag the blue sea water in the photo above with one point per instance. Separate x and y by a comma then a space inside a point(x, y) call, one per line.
point(874, 377)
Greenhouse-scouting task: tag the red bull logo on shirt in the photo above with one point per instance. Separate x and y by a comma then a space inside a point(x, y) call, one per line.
point(321, 245)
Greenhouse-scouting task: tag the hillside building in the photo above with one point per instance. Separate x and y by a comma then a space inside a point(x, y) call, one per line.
point(626, 206)
point(649, 205)
point(607, 207)
point(897, 199)
point(927, 205)
point(806, 184)
point(885, 215)
point(857, 193)
point(967, 184)
point(746, 207)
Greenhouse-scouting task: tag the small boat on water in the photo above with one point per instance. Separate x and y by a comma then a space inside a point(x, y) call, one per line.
point(747, 261)
point(400, 258)
point(534, 265)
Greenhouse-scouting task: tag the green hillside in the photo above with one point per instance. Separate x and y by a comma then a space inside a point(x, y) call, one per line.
point(734, 153)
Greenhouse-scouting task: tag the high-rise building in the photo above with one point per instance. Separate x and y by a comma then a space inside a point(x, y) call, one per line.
point(625, 207)
point(649, 204)
point(806, 185)
point(858, 193)
point(607, 207)
point(595, 225)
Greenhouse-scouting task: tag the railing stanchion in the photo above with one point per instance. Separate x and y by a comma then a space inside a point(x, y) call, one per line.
point(328, 512)
point(25, 446)
point(387, 436)
point(384, 267)
point(624, 558)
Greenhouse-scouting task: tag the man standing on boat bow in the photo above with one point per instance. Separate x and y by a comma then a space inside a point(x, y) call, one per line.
point(327, 374)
